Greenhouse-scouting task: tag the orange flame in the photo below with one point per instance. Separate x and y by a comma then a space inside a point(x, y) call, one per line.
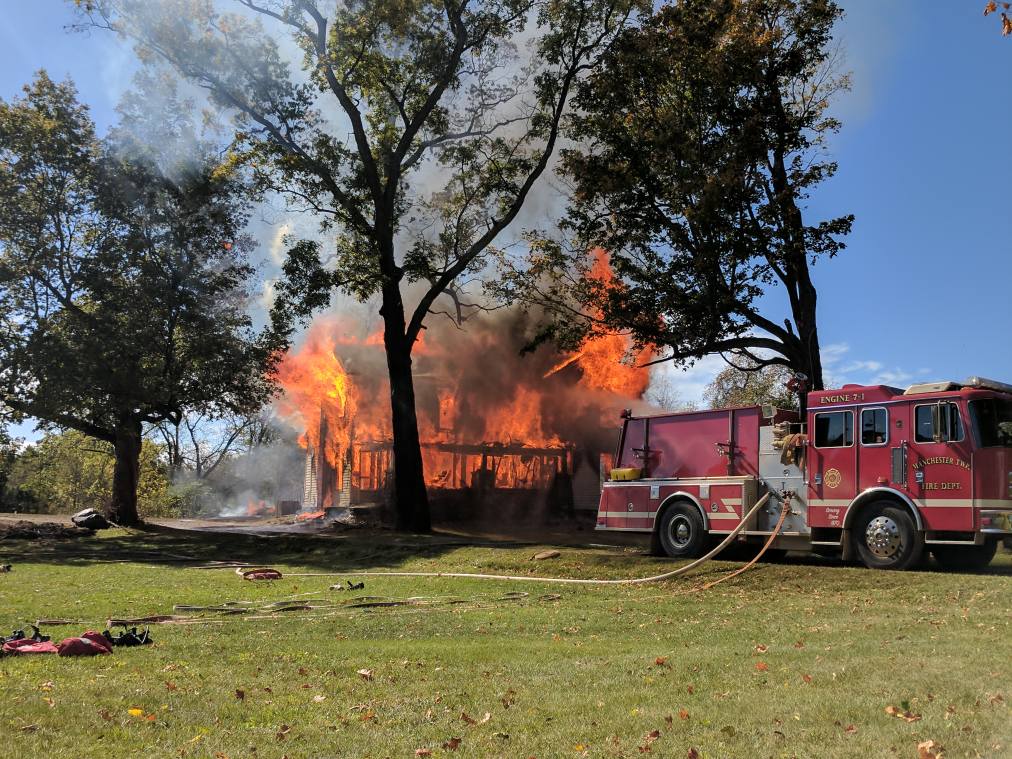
point(319, 395)
point(464, 428)
point(607, 361)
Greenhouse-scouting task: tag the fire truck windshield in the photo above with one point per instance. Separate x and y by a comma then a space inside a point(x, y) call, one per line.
point(993, 420)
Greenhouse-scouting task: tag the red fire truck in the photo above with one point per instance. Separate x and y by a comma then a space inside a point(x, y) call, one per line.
point(878, 472)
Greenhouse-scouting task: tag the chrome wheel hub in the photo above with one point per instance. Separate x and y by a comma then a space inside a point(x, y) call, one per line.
point(883, 537)
point(681, 531)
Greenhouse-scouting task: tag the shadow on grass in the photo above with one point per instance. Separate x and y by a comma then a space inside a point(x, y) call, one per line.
point(323, 551)
point(337, 552)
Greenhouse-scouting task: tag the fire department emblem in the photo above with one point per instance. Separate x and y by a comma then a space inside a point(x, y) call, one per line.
point(833, 478)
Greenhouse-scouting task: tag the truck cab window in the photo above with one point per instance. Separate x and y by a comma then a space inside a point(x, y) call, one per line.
point(937, 423)
point(834, 429)
point(874, 426)
point(993, 419)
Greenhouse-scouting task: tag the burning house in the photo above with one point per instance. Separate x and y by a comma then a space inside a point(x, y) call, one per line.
point(499, 431)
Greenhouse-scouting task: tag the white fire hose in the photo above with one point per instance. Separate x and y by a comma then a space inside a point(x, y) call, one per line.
point(573, 581)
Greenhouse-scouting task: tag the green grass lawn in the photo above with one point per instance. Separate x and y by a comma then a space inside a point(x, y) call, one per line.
point(788, 660)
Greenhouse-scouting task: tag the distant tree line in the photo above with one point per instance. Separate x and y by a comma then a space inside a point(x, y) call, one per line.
point(67, 471)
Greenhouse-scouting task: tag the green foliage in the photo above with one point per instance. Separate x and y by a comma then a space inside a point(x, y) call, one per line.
point(121, 287)
point(698, 143)
point(65, 472)
point(123, 272)
point(735, 386)
point(8, 454)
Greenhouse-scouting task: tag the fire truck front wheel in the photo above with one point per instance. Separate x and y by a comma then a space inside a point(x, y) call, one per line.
point(682, 533)
point(887, 537)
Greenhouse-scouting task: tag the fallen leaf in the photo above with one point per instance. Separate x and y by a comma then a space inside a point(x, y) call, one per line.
point(683, 714)
point(240, 694)
point(850, 729)
point(799, 644)
point(807, 678)
point(365, 674)
point(104, 714)
point(135, 712)
point(319, 698)
point(150, 718)
point(761, 666)
point(465, 717)
point(46, 686)
point(579, 747)
point(303, 671)
point(929, 750)
point(668, 720)
point(29, 728)
point(283, 731)
point(652, 736)
point(485, 718)
point(905, 715)
point(691, 689)
point(761, 648)
point(451, 745)
point(423, 752)
point(170, 686)
point(541, 556)
point(367, 716)
point(660, 661)
point(693, 754)
point(49, 701)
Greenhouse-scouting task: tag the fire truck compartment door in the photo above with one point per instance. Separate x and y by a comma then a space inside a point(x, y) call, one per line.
point(627, 507)
point(832, 457)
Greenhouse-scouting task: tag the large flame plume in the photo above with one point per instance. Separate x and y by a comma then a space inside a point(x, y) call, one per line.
point(472, 389)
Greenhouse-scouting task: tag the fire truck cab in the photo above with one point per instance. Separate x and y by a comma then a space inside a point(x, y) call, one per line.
point(877, 472)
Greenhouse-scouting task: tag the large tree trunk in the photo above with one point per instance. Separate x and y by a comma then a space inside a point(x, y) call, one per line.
point(411, 502)
point(808, 333)
point(122, 508)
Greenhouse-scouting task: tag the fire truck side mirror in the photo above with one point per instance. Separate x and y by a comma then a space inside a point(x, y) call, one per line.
point(941, 422)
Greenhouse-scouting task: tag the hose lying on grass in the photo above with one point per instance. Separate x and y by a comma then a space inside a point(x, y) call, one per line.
point(575, 581)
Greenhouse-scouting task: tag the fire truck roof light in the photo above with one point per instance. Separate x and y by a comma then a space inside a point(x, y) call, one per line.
point(988, 384)
point(931, 387)
point(980, 383)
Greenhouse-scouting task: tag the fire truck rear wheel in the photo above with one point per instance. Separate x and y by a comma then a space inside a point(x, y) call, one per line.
point(682, 533)
point(965, 558)
point(887, 537)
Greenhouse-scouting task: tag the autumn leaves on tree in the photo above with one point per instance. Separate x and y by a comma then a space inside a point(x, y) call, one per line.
point(1006, 19)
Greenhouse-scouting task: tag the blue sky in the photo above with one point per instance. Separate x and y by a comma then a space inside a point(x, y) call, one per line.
point(924, 289)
